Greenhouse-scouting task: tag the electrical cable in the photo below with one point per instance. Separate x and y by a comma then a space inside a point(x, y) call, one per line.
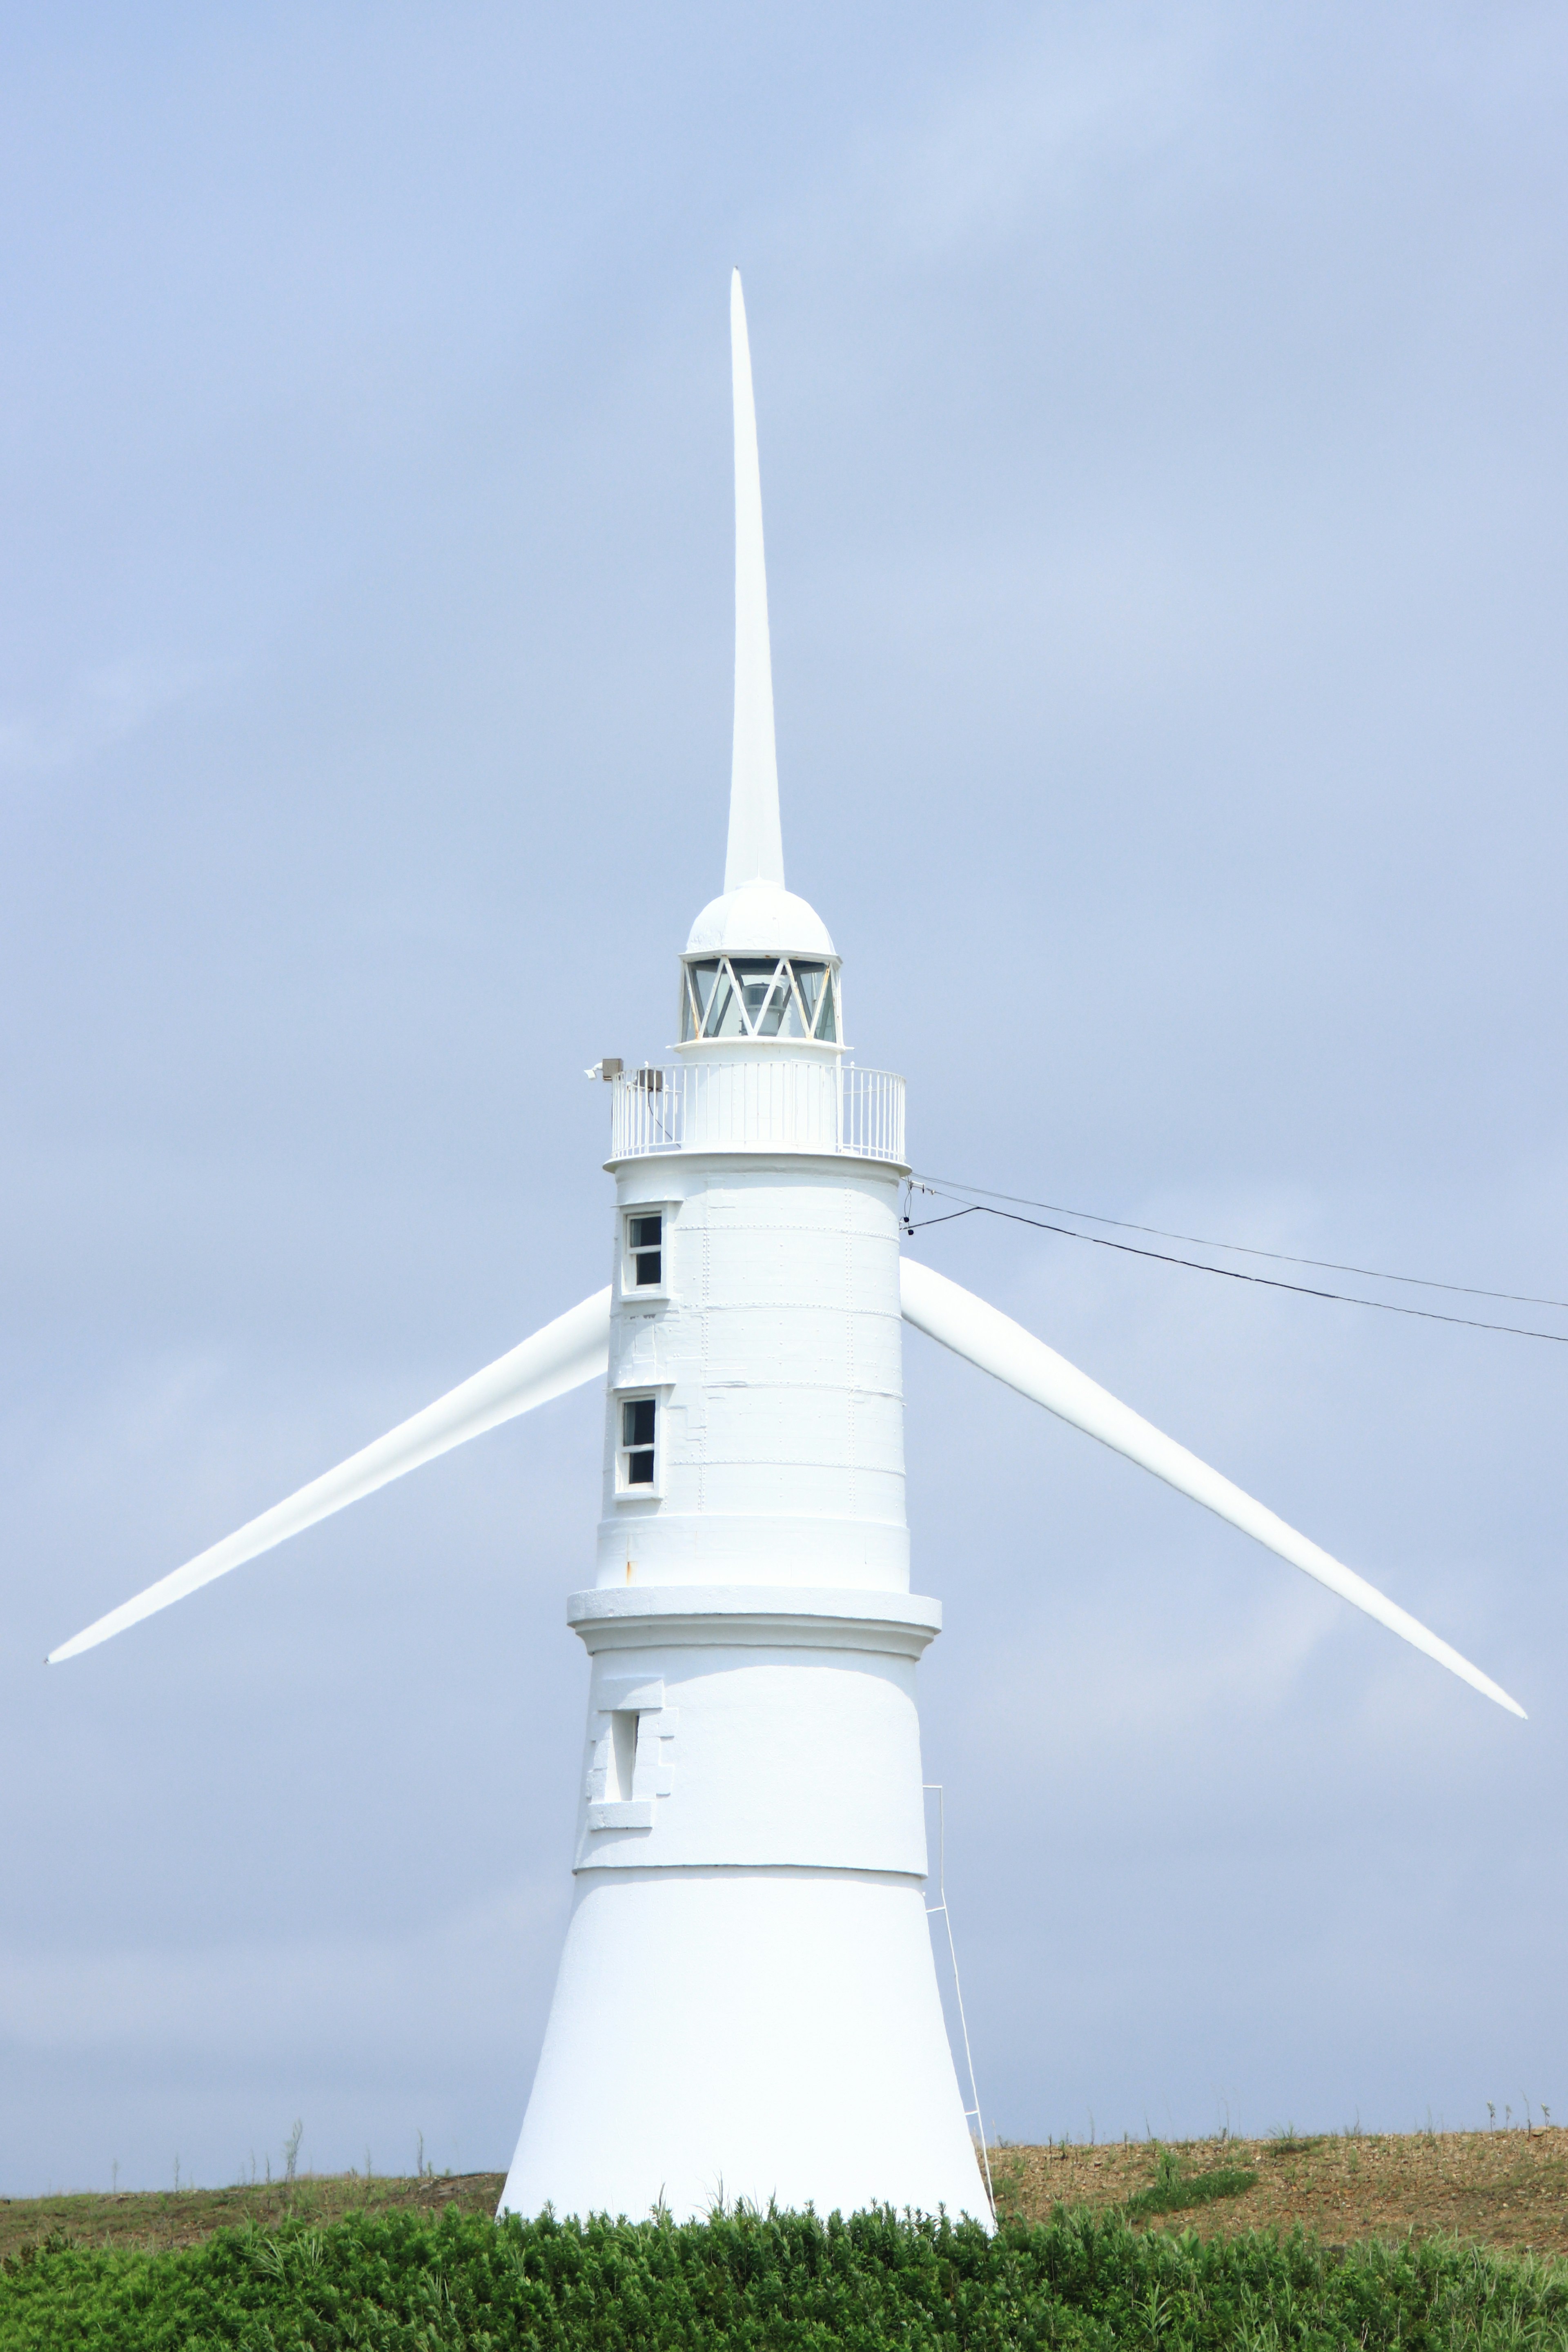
point(1231, 1272)
point(1245, 1249)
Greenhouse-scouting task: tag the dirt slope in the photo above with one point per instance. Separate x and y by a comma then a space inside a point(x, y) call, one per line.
point(1506, 2188)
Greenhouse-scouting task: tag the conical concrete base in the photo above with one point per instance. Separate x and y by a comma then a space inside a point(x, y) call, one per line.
point(745, 2033)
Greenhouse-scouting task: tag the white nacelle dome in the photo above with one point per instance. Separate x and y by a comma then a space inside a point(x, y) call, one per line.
point(760, 919)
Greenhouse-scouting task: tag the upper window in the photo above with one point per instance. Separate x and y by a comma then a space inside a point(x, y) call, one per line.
point(645, 1248)
point(759, 996)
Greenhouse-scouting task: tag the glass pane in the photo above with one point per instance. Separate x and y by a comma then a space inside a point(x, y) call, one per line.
point(755, 975)
point(826, 1025)
point(639, 1469)
point(792, 1024)
point(704, 980)
point(646, 1231)
point(809, 978)
point(779, 1007)
point(637, 1422)
point(690, 1023)
point(724, 1012)
point(649, 1265)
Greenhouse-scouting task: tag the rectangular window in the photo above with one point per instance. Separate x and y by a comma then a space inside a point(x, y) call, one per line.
point(638, 1422)
point(645, 1243)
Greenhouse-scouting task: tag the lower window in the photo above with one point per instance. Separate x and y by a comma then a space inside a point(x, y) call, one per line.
point(639, 1421)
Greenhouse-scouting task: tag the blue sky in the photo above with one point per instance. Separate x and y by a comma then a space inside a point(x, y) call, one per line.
point(1161, 428)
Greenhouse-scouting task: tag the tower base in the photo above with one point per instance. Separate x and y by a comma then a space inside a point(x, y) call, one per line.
point(745, 2033)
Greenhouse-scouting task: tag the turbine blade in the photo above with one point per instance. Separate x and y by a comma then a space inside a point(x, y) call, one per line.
point(755, 852)
point(1002, 1348)
point(572, 1349)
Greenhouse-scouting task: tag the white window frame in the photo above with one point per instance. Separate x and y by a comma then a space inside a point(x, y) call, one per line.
point(657, 1394)
point(631, 1290)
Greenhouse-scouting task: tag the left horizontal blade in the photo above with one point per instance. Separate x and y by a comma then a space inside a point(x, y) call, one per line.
point(572, 1349)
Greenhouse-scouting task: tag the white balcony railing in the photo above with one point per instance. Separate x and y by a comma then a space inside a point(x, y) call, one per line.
point(758, 1106)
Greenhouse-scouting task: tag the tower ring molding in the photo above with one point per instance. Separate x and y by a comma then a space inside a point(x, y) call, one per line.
point(793, 1617)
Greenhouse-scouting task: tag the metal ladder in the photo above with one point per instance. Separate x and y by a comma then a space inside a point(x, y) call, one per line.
point(970, 2113)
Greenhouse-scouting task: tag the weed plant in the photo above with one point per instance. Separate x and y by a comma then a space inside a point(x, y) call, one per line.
point(1174, 2189)
point(398, 2283)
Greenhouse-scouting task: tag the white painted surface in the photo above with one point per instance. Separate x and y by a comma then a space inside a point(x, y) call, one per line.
point(776, 1352)
point(565, 1354)
point(993, 1340)
point(755, 851)
point(760, 919)
point(784, 1724)
point(755, 2033)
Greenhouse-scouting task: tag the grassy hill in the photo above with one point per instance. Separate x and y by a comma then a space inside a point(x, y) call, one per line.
point(1506, 2190)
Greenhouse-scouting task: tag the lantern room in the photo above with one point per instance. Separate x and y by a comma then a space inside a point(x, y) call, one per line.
point(760, 968)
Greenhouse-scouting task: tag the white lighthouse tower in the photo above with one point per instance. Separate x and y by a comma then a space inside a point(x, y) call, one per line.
point(747, 2004)
point(747, 1999)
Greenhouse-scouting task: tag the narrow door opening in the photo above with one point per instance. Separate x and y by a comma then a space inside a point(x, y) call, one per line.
point(623, 1753)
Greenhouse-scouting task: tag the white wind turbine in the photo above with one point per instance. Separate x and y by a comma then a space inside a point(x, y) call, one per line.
point(746, 1998)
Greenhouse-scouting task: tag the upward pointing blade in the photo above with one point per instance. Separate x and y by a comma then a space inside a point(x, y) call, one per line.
point(755, 851)
point(999, 1346)
point(572, 1349)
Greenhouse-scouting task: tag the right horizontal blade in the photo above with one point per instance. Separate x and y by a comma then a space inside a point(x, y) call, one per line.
point(572, 1349)
point(986, 1337)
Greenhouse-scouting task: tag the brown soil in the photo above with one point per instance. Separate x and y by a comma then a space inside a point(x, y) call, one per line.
point(160, 2218)
point(1505, 2188)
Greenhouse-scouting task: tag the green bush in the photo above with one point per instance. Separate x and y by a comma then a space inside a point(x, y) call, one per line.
point(398, 2283)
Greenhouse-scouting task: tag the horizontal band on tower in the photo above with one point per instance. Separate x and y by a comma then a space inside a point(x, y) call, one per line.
point(816, 1617)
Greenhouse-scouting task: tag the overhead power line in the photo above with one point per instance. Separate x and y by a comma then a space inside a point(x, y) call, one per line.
point(1244, 1249)
point(1230, 1273)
